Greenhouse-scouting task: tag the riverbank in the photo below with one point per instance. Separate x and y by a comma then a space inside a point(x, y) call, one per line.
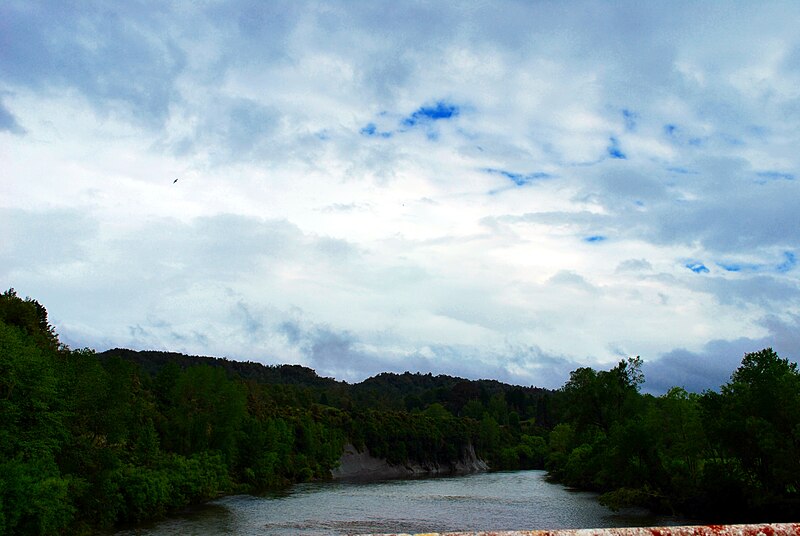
point(361, 465)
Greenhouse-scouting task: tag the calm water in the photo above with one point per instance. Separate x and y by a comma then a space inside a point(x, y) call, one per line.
point(486, 501)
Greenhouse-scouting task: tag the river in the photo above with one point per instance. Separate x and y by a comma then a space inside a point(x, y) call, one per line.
point(518, 500)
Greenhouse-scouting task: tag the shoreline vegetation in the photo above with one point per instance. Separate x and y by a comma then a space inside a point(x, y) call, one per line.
point(90, 441)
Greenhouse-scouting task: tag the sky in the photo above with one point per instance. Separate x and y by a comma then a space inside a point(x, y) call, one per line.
point(505, 189)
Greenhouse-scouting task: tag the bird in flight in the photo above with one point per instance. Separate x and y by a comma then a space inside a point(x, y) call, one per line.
point(176, 180)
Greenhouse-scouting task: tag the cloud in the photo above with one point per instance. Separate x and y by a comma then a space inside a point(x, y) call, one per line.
point(622, 189)
point(732, 220)
point(162, 261)
point(764, 290)
point(634, 265)
point(344, 207)
point(341, 354)
point(40, 241)
point(8, 122)
point(696, 371)
point(712, 366)
point(570, 279)
point(114, 56)
point(717, 205)
point(233, 129)
point(579, 219)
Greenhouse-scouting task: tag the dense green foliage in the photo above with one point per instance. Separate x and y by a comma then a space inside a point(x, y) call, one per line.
point(89, 441)
point(729, 456)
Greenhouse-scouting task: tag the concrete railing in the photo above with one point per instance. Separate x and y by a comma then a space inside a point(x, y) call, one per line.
point(772, 529)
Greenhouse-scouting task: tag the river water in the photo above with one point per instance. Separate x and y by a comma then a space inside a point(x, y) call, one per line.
point(519, 500)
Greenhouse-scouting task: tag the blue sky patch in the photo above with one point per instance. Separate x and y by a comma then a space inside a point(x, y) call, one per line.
point(440, 110)
point(614, 150)
point(371, 130)
point(594, 239)
point(739, 267)
point(697, 267)
point(730, 267)
point(630, 119)
point(790, 261)
point(681, 170)
point(518, 178)
point(775, 176)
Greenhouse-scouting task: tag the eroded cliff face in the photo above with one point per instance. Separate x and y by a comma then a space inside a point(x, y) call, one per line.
point(361, 465)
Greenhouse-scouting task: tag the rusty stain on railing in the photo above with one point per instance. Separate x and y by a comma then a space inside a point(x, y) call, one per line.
point(772, 529)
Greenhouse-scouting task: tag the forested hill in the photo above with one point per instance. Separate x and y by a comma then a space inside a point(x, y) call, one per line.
point(408, 384)
point(407, 391)
point(153, 361)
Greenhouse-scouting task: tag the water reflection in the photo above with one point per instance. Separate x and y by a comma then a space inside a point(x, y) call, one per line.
point(211, 518)
point(521, 500)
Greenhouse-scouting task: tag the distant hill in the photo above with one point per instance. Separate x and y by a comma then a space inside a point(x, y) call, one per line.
point(416, 383)
point(387, 382)
point(387, 391)
point(153, 361)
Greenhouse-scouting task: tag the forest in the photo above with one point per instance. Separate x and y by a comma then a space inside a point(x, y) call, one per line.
point(90, 441)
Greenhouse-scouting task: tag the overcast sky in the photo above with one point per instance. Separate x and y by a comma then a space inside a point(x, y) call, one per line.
point(504, 190)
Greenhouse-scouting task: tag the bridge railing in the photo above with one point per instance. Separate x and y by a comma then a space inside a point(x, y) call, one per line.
point(771, 529)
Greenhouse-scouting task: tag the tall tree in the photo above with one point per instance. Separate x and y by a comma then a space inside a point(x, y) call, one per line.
point(756, 424)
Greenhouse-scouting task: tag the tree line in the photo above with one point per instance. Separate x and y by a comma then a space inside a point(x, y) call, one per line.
point(90, 441)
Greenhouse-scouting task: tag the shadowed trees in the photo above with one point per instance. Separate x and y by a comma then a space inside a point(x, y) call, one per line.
point(732, 455)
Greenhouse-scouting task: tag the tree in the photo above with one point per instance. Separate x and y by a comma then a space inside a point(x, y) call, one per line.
point(206, 411)
point(603, 398)
point(30, 316)
point(34, 495)
point(674, 422)
point(756, 420)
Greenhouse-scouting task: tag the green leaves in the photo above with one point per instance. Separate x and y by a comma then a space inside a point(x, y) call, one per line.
point(206, 409)
point(733, 454)
point(35, 498)
point(756, 418)
point(31, 421)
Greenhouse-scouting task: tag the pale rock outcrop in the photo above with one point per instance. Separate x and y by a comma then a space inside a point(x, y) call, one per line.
point(362, 465)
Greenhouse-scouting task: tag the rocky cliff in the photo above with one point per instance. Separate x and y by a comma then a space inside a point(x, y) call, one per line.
point(361, 465)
